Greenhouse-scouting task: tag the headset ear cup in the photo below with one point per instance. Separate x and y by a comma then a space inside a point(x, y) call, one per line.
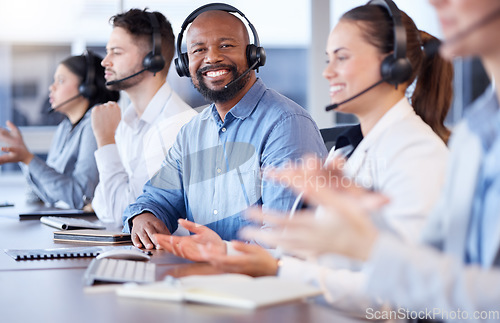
point(261, 54)
point(402, 70)
point(153, 63)
point(182, 65)
point(88, 91)
point(256, 54)
point(178, 66)
point(386, 68)
point(395, 71)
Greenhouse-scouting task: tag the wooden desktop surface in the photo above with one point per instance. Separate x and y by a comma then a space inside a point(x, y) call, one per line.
point(52, 290)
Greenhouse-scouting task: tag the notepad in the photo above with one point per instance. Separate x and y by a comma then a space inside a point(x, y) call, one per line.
point(233, 290)
point(92, 236)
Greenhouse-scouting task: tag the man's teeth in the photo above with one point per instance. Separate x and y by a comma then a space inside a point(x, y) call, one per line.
point(216, 73)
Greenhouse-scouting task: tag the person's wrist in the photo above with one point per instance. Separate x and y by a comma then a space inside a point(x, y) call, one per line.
point(277, 267)
point(103, 141)
point(27, 160)
point(224, 247)
point(368, 242)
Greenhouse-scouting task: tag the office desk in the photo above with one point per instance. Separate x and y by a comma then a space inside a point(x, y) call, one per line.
point(52, 290)
point(56, 296)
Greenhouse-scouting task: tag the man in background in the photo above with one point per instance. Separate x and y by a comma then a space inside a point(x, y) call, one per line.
point(132, 147)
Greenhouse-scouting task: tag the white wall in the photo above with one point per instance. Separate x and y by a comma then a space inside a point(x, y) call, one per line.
point(419, 10)
point(281, 23)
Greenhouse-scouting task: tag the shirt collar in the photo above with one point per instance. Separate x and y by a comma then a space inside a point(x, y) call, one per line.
point(154, 108)
point(77, 124)
point(244, 107)
point(483, 117)
point(351, 136)
point(398, 112)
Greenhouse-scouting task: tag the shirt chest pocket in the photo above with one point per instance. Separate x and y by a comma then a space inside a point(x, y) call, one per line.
point(246, 186)
point(243, 172)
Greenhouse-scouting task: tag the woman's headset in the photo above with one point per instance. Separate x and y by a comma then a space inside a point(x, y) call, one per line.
point(395, 68)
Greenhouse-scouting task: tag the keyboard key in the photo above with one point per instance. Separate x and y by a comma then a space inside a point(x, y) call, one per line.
point(119, 271)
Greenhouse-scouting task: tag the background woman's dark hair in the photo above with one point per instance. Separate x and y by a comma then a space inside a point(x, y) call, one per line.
point(78, 66)
point(138, 24)
point(433, 92)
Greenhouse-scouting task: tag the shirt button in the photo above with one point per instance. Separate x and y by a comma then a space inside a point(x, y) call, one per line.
point(215, 212)
point(223, 129)
point(219, 170)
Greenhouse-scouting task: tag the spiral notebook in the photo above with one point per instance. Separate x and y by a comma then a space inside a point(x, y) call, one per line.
point(31, 254)
point(58, 253)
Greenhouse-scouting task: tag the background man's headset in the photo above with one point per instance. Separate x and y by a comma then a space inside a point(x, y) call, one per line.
point(154, 61)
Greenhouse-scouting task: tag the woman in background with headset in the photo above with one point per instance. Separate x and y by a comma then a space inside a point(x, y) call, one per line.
point(402, 155)
point(69, 174)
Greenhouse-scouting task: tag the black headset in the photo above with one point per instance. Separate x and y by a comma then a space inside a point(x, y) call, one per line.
point(154, 61)
point(256, 55)
point(396, 68)
point(87, 88)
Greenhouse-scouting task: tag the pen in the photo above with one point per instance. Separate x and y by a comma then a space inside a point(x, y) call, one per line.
point(6, 204)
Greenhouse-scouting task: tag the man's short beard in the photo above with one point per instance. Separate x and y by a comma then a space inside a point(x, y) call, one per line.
point(224, 94)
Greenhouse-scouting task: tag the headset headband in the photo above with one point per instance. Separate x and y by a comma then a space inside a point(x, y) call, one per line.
point(87, 87)
point(399, 29)
point(396, 68)
point(90, 67)
point(156, 33)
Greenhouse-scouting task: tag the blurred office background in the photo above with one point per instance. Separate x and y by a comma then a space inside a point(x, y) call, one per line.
point(35, 35)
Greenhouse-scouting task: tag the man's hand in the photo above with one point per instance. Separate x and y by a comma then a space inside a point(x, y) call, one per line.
point(190, 247)
point(105, 119)
point(253, 260)
point(144, 228)
point(17, 150)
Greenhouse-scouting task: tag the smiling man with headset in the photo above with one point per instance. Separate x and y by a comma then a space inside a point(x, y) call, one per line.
point(213, 171)
point(132, 147)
